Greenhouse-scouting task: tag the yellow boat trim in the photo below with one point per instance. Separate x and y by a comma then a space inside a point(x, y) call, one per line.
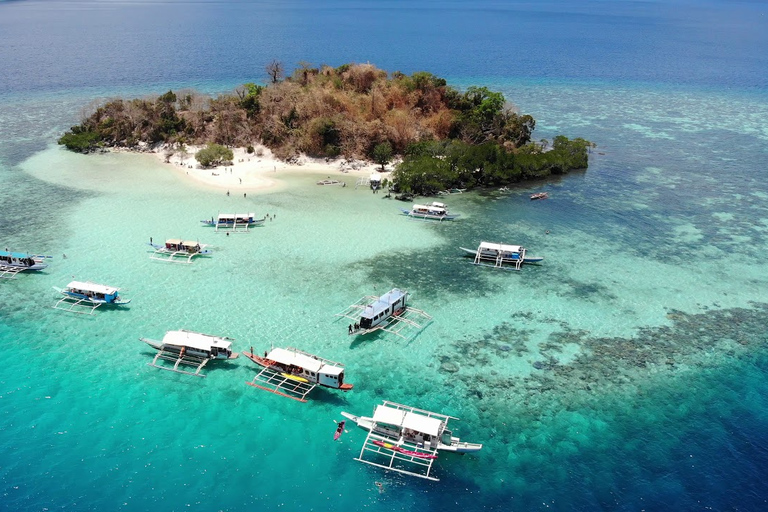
point(294, 377)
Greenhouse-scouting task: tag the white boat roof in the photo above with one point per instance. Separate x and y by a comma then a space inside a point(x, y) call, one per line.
point(236, 215)
point(500, 247)
point(285, 356)
point(428, 207)
point(438, 205)
point(195, 340)
point(407, 419)
point(388, 415)
point(92, 287)
point(178, 241)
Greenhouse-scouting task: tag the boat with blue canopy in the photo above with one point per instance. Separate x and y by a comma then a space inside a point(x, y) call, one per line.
point(11, 263)
point(85, 297)
point(388, 312)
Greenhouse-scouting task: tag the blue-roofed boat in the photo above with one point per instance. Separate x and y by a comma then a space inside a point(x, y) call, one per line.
point(85, 297)
point(434, 211)
point(11, 263)
point(499, 255)
point(388, 313)
point(234, 221)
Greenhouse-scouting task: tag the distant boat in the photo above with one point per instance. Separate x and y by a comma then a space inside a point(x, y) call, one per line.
point(181, 249)
point(539, 195)
point(11, 263)
point(234, 221)
point(331, 182)
point(501, 254)
point(422, 211)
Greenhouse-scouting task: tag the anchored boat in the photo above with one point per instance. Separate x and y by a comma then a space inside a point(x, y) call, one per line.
point(187, 348)
point(429, 211)
point(292, 373)
point(11, 263)
point(406, 439)
point(85, 297)
point(234, 221)
point(387, 313)
point(179, 251)
point(500, 255)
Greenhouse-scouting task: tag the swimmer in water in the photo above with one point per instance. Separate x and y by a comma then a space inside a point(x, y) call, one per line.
point(380, 486)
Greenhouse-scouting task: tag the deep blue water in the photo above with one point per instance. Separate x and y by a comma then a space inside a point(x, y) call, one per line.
point(675, 204)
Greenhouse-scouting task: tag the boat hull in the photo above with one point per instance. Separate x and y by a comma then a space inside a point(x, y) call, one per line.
point(159, 345)
point(428, 216)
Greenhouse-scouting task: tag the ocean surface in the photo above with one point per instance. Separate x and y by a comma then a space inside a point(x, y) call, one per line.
point(626, 372)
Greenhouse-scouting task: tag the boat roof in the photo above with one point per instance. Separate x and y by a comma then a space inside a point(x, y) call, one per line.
point(500, 247)
point(407, 419)
point(16, 254)
point(195, 340)
point(236, 215)
point(313, 364)
point(438, 205)
point(93, 287)
point(384, 301)
point(427, 207)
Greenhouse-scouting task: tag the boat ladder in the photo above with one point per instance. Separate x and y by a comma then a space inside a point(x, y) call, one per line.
point(8, 272)
point(272, 380)
point(179, 359)
point(79, 306)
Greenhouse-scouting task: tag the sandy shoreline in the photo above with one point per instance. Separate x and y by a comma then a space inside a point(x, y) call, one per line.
point(261, 171)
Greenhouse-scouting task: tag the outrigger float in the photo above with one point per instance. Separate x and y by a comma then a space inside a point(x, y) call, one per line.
point(179, 251)
point(434, 211)
point(12, 263)
point(189, 349)
point(386, 313)
point(85, 297)
point(292, 373)
point(500, 255)
point(234, 222)
point(406, 439)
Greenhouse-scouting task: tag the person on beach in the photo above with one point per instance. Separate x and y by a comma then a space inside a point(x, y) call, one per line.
point(227, 193)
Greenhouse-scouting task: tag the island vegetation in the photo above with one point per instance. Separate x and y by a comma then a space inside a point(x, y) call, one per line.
point(446, 138)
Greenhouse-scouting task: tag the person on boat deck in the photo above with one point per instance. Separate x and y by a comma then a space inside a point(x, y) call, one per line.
point(350, 328)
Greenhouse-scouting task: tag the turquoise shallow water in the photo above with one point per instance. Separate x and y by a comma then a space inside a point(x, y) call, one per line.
point(627, 372)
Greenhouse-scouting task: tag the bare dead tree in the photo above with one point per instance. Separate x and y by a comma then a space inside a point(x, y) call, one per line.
point(275, 71)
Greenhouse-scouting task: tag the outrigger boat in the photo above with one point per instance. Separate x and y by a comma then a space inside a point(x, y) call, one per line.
point(85, 297)
point(11, 263)
point(188, 348)
point(406, 439)
point(388, 313)
point(292, 373)
point(234, 221)
point(501, 254)
point(175, 248)
point(539, 195)
point(422, 211)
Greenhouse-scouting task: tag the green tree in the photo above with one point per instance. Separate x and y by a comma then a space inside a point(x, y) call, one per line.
point(80, 139)
point(214, 154)
point(382, 154)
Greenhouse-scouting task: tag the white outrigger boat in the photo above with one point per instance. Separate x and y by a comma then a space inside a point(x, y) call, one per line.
point(188, 348)
point(85, 297)
point(179, 251)
point(500, 255)
point(234, 221)
point(388, 313)
point(292, 373)
point(429, 211)
point(406, 439)
point(11, 263)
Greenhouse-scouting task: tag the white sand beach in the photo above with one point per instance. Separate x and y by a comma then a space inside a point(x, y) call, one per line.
point(261, 171)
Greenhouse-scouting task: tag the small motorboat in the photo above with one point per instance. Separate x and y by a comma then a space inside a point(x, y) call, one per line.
point(539, 195)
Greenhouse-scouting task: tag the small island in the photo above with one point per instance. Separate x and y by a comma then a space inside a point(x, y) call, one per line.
point(445, 138)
